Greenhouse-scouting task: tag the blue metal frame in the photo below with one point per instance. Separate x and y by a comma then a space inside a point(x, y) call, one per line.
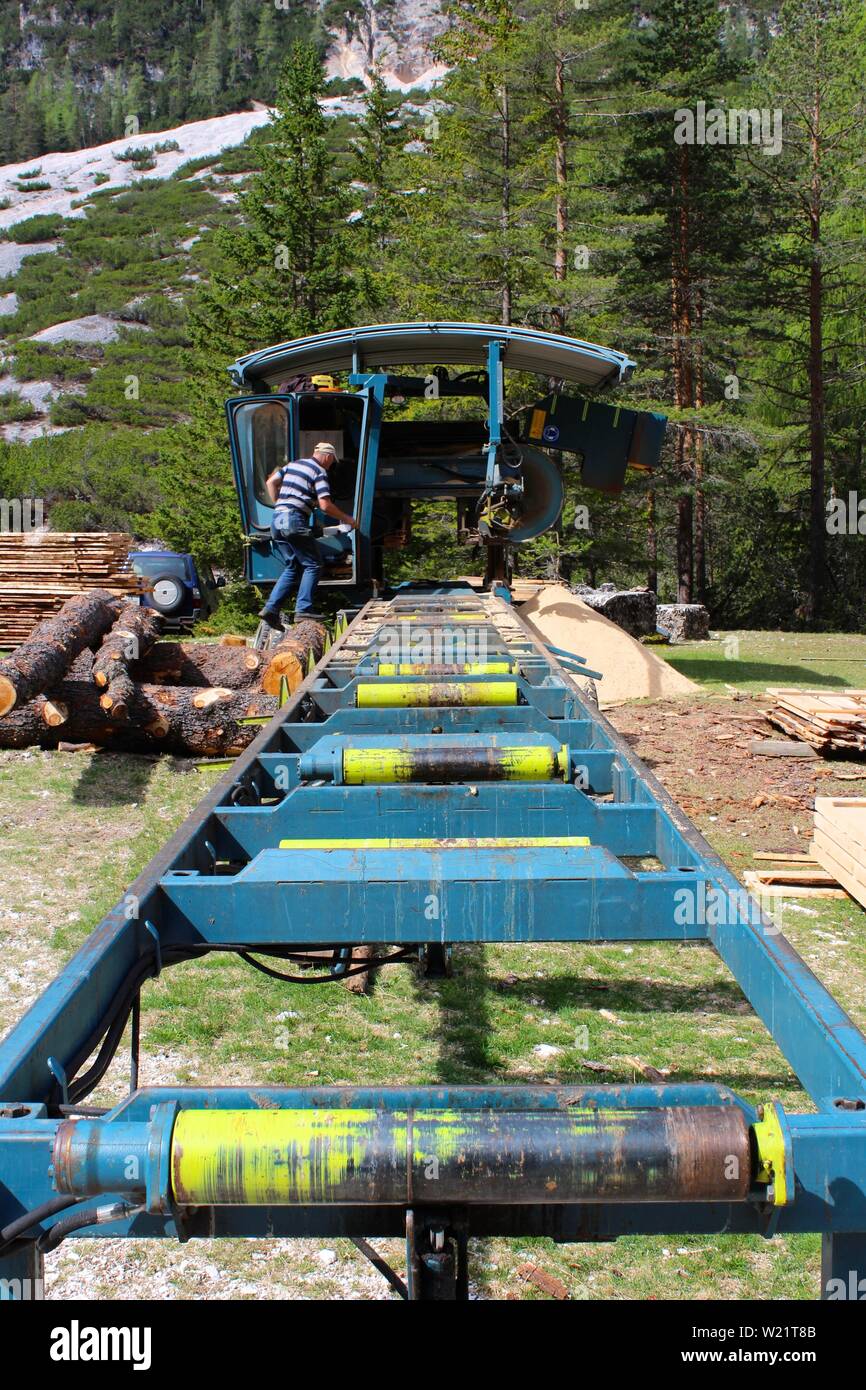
point(223, 881)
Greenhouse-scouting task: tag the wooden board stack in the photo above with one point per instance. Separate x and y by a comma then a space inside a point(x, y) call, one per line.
point(827, 719)
point(40, 570)
point(839, 843)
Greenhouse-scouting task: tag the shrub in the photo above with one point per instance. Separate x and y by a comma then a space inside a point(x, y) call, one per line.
point(43, 227)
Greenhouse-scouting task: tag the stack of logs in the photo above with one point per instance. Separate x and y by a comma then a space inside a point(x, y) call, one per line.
point(97, 673)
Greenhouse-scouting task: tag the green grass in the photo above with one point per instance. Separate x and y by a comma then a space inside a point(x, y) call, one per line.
point(751, 661)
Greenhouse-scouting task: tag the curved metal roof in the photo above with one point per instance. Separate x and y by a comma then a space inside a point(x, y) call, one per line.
point(398, 344)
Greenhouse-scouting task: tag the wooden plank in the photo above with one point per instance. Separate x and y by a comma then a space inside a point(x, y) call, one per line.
point(789, 890)
point(845, 815)
point(784, 857)
point(834, 858)
point(855, 888)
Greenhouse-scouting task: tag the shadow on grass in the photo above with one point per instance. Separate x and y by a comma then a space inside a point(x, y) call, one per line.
point(561, 991)
point(112, 779)
point(464, 1056)
point(766, 672)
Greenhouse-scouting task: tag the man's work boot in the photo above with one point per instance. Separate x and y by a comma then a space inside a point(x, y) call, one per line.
point(272, 618)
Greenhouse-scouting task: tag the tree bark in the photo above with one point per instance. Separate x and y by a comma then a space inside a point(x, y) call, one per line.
point(681, 326)
point(130, 638)
point(199, 663)
point(290, 657)
point(652, 542)
point(170, 719)
point(817, 441)
point(48, 653)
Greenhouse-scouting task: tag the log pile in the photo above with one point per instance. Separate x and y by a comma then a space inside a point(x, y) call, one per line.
point(40, 570)
point(98, 674)
point(829, 720)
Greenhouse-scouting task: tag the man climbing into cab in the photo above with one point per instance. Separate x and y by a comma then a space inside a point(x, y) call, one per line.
point(296, 490)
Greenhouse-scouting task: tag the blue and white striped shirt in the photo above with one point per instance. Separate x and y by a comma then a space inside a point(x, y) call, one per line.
point(303, 485)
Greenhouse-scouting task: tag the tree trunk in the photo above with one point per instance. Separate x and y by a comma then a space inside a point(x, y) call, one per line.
point(817, 441)
point(698, 442)
point(48, 653)
point(171, 719)
point(505, 206)
point(652, 543)
point(681, 325)
point(560, 161)
point(290, 657)
point(199, 663)
point(130, 638)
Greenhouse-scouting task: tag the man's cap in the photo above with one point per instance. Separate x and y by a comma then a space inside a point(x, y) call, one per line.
point(325, 449)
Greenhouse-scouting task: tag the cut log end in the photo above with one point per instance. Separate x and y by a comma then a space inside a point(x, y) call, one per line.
point(8, 696)
point(206, 698)
point(55, 713)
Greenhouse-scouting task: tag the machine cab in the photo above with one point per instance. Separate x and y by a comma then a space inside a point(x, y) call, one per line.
point(503, 472)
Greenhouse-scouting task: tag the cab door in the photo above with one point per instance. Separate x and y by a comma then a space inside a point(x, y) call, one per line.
point(263, 433)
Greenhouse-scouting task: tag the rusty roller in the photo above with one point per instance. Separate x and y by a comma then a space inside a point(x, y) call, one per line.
point(288, 1157)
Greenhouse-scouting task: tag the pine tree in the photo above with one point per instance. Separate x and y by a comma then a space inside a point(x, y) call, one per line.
point(289, 270)
point(813, 195)
point(376, 162)
point(678, 277)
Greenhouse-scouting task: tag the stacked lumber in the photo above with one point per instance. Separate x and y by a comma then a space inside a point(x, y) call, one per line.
point(839, 842)
point(86, 677)
point(826, 719)
point(40, 570)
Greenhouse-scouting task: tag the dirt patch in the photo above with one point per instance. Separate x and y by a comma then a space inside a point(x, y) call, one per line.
point(701, 754)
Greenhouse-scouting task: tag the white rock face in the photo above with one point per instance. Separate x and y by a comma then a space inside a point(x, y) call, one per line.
point(400, 44)
point(79, 168)
point(94, 328)
point(11, 255)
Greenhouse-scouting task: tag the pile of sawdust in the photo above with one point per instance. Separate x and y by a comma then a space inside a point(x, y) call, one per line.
point(630, 670)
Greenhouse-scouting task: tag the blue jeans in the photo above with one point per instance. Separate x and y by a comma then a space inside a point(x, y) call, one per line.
point(297, 548)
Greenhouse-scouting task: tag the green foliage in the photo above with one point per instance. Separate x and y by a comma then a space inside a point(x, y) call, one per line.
point(45, 227)
point(288, 270)
point(157, 61)
point(543, 185)
point(14, 407)
point(93, 480)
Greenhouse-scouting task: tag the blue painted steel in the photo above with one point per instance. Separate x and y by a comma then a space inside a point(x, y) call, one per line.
point(223, 881)
point(392, 344)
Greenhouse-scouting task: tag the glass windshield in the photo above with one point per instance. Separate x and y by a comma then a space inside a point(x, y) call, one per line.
point(149, 566)
point(270, 445)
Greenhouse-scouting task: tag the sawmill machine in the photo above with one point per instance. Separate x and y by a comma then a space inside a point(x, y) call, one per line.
point(438, 782)
point(499, 464)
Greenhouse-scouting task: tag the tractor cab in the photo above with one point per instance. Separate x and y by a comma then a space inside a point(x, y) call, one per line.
point(352, 389)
